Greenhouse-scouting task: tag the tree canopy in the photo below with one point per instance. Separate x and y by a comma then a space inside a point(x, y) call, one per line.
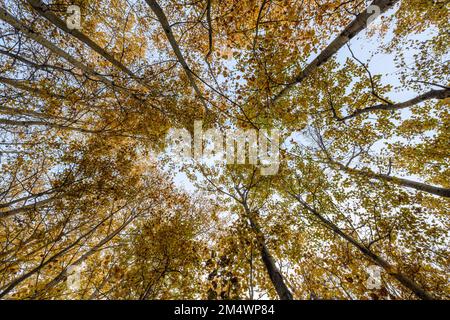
point(358, 91)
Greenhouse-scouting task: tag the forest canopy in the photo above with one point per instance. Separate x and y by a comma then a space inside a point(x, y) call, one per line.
point(329, 175)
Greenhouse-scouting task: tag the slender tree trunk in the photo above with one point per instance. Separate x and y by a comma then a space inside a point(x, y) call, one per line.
point(21, 85)
point(269, 262)
point(27, 207)
point(32, 113)
point(9, 287)
point(391, 270)
point(44, 67)
point(432, 94)
point(356, 26)
point(32, 196)
point(63, 274)
point(45, 12)
point(8, 18)
point(160, 15)
point(438, 191)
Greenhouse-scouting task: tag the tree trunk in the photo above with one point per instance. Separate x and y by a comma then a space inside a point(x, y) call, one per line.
point(360, 23)
point(63, 274)
point(269, 262)
point(8, 18)
point(403, 279)
point(438, 191)
point(157, 10)
point(432, 94)
point(45, 12)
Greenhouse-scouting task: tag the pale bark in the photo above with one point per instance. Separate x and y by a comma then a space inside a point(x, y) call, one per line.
point(438, 191)
point(46, 12)
point(157, 10)
point(63, 274)
point(8, 18)
point(9, 287)
point(32, 113)
point(356, 26)
point(390, 269)
point(21, 85)
point(269, 262)
point(28, 207)
point(28, 123)
point(432, 94)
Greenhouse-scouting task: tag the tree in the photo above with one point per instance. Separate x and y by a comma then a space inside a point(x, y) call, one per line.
point(359, 92)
